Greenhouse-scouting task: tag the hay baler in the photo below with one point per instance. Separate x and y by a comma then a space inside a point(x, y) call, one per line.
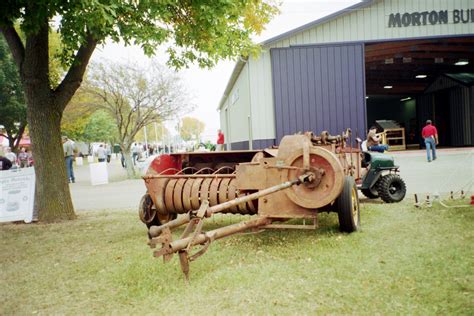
point(306, 174)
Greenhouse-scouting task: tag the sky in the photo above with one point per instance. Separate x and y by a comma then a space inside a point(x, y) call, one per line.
point(206, 86)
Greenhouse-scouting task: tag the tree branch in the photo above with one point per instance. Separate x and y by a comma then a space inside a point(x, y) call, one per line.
point(65, 91)
point(14, 42)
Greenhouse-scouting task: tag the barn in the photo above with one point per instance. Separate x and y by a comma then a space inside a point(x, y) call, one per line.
point(392, 61)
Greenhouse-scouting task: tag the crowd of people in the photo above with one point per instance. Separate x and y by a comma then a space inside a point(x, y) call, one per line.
point(10, 160)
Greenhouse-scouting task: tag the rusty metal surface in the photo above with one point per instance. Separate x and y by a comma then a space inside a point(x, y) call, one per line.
point(303, 175)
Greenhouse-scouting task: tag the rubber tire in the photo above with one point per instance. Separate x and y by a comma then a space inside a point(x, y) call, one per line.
point(386, 186)
point(347, 222)
point(370, 193)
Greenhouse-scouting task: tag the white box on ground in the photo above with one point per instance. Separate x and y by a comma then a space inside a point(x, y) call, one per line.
point(99, 173)
point(90, 158)
point(79, 161)
point(17, 193)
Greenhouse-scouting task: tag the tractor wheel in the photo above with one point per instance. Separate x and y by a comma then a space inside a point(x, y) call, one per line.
point(371, 193)
point(348, 207)
point(391, 188)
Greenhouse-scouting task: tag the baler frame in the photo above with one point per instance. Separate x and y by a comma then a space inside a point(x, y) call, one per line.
point(309, 174)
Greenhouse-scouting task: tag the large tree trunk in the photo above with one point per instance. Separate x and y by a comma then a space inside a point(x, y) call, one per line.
point(52, 197)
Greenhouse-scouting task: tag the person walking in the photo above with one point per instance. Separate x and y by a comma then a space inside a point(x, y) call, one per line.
point(101, 153)
point(220, 140)
point(430, 135)
point(69, 158)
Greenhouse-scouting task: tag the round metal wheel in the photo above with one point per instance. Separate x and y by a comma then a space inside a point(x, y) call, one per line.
point(232, 194)
point(325, 189)
point(178, 196)
point(195, 193)
point(146, 211)
point(169, 192)
point(187, 194)
point(223, 188)
point(214, 191)
point(159, 194)
point(204, 191)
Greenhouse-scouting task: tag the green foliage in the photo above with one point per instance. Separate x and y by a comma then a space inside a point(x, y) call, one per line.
point(101, 127)
point(191, 128)
point(12, 100)
point(77, 116)
point(387, 268)
point(198, 31)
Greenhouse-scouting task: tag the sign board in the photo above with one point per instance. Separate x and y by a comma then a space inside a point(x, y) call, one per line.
point(99, 173)
point(79, 161)
point(17, 192)
point(431, 17)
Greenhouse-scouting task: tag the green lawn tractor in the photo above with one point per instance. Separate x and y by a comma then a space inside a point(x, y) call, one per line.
point(382, 178)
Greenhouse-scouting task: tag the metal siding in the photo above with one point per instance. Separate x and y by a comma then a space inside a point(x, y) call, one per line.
point(240, 110)
point(333, 85)
point(371, 23)
point(459, 107)
point(240, 145)
point(263, 143)
point(471, 115)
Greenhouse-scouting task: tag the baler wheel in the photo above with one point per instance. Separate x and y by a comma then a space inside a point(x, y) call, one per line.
point(347, 205)
point(146, 211)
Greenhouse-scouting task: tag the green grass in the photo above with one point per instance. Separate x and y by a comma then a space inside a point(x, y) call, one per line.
point(403, 261)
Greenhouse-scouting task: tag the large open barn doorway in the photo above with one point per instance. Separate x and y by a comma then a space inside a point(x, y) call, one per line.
point(411, 81)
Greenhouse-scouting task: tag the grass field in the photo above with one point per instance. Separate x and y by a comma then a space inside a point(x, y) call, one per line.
point(403, 261)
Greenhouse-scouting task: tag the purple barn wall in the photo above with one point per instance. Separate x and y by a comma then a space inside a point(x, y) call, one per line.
point(318, 88)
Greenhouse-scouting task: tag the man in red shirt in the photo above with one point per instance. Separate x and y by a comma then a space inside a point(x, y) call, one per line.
point(220, 140)
point(430, 135)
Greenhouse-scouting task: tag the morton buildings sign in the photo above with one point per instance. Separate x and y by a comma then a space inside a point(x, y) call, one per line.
point(431, 17)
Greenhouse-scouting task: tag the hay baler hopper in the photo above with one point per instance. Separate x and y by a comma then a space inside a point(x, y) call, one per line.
point(305, 175)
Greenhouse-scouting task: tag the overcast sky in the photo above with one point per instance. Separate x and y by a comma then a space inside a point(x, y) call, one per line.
point(207, 86)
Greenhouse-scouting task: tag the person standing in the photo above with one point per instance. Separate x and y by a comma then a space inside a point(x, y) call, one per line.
point(373, 141)
point(101, 153)
point(220, 140)
point(10, 155)
point(23, 158)
point(135, 153)
point(108, 152)
point(430, 135)
point(69, 158)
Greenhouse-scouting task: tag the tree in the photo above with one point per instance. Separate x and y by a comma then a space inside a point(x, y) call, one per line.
point(12, 100)
point(199, 31)
point(77, 116)
point(191, 128)
point(136, 97)
point(101, 127)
